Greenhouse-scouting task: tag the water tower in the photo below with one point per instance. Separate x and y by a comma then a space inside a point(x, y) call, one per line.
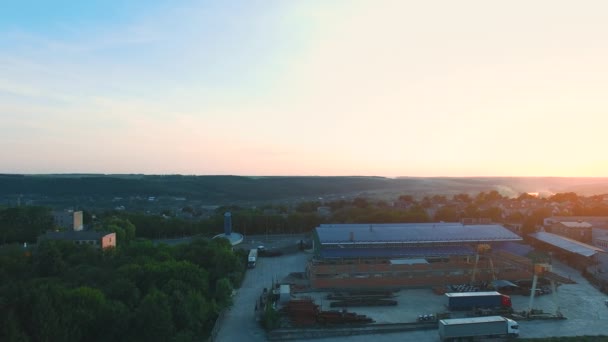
point(234, 238)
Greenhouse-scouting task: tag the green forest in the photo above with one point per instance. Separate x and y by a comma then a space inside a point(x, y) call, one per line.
point(214, 189)
point(226, 189)
point(139, 291)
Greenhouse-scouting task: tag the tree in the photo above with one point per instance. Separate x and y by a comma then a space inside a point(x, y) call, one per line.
point(67, 292)
point(189, 308)
point(439, 199)
point(360, 202)
point(86, 306)
point(223, 292)
point(472, 211)
point(124, 291)
point(51, 317)
point(488, 197)
point(480, 198)
point(406, 198)
point(124, 229)
point(515, 217)
point(417, 213)
point(447, 214)
point(153, 319)
point(525, 196)
point(465, 198)
point(12, 330)
point(24, 224)
point(564, 197)
point(529, 226)
point(494, 196)
point(493, 213)
point(48, 260)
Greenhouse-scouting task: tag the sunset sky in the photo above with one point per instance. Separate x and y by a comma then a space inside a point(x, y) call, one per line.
point(386, 88)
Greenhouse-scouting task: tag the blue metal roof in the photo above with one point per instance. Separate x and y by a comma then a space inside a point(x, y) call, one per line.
point(472, 294)
point(512, 247)
point(567, 244)
point(349, 234)
point(403, 252)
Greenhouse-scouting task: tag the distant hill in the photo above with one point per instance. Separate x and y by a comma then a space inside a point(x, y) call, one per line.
point(227, 189)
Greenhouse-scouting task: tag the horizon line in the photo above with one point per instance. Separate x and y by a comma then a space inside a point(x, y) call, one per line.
point(268, 176)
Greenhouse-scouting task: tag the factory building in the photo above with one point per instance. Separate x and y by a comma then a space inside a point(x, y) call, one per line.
point(69, 220)
point(101, 240)
point(410, 255)
point(581, 231)
point(571, 251)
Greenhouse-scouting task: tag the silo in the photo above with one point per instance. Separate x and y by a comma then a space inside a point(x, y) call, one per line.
point(227, 223)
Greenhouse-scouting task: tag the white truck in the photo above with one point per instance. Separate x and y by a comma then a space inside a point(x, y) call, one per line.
point(252, 258)
point(470, 328)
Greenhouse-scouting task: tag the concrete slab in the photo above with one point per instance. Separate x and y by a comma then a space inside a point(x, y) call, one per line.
point(412, 302)
point(581, 303)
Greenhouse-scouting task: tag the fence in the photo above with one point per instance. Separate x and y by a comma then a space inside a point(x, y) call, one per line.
point(217, 325)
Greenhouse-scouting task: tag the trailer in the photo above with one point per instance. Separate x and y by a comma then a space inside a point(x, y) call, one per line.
point(252, 258)
point(477, 300)
point(477, 327)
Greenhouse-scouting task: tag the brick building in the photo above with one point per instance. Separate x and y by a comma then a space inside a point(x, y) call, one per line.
point(69, 220)
point(595, 221)
point(572, 252)
point(100, 240)
point(576, 230)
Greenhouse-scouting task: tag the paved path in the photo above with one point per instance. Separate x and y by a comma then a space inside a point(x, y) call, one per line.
point(239, 324)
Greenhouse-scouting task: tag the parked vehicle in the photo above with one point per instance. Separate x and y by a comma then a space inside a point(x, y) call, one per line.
point(252, 258)
point(270, 252)
point(477, 300)
point(477, 327)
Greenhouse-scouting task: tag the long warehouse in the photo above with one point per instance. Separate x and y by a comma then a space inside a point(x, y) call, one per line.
point(408, 254)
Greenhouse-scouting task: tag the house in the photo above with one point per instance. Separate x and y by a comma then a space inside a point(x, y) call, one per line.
point(68, 219)
point(101, 240)
point(595, 221)
point(324, 211)
point(577, 230)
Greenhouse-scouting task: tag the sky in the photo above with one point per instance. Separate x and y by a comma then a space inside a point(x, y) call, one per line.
point(315, 87)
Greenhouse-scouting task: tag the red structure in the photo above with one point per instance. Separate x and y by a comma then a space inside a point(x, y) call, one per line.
point(108, 241)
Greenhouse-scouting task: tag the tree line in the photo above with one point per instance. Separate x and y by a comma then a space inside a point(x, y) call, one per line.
point(24, 224)
point(137, 292)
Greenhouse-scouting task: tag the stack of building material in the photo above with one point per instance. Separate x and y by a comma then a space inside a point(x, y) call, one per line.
point(342, 317)
point(301, 312)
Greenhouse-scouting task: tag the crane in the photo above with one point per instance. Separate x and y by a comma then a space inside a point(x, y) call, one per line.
point(482, 249)
point(540, 269)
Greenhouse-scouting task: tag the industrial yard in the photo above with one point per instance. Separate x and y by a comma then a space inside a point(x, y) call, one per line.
point(576, 300)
